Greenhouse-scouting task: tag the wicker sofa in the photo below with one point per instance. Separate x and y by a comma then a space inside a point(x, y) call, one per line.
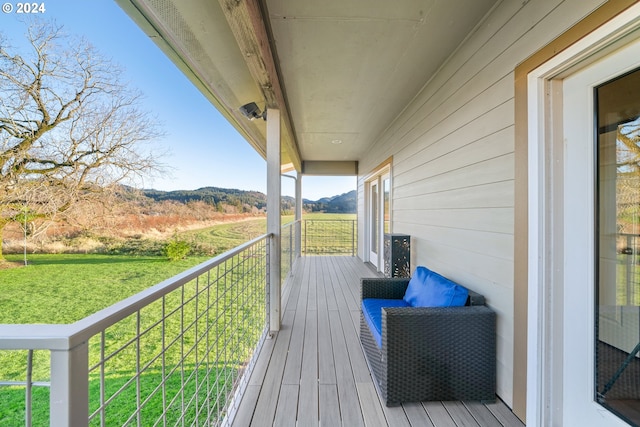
point(430, 353)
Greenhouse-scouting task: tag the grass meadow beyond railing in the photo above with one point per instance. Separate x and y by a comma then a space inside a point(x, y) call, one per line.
point(173, 354)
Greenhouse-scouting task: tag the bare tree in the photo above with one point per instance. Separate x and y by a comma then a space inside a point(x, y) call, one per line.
point(70, 129)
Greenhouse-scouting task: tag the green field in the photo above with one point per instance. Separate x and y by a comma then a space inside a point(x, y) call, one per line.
point(168, 371)
point(168, 342)
point(64, 288)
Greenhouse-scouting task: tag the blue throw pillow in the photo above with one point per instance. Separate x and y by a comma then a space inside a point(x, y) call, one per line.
point(429, 289)
point(416, 284)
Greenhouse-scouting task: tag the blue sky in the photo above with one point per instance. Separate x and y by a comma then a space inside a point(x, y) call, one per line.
point(199, 140)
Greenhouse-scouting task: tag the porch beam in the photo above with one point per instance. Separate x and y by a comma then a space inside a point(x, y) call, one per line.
point(209, 82)
point(330, 168)
point(274, 222)
point(247, 23)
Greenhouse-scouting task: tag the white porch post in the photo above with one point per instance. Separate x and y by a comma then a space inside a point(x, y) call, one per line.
point(298, 216)
point(274, 222)
point(69, 394)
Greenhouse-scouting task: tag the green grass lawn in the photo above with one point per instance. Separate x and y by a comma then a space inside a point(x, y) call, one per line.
point(224, 237)
point(64, 288)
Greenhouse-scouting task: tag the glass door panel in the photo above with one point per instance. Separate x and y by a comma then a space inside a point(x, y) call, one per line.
point(386, 188)
point(374, 223)
point(618, 247)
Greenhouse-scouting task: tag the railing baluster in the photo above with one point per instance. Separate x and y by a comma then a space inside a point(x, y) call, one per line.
point(103, 421)
point(28, 402)
point(353, 238)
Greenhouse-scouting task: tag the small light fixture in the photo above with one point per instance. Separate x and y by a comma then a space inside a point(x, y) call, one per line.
point(251, 111)
point(336, 141)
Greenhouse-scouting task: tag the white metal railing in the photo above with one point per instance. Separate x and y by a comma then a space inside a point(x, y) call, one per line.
point(173, 354)
point(330, 236)
point(290, 247)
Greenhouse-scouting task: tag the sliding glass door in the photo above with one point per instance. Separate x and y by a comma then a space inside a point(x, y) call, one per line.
point(378, 215)
point(618, 260)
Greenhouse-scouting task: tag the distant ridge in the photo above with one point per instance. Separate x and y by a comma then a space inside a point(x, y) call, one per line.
point(343, 203)
point(216, 196)
point(212, 196)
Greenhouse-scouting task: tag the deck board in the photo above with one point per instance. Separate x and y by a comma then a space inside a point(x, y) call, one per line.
point(347, 393)
point(504, 415)
point(286, 414)
point(416, 414)
point(308, 405)
point(313, 372)
point(329, 407)
point(272, 383)
point(482, 414)
point(438, 414)
point(326, 365)
point(294, 357)
point(371, 408)
point(461, 415)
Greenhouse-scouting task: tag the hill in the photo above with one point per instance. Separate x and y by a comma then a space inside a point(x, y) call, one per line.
point(214, 196)
point(253, 200)
point(344, 203)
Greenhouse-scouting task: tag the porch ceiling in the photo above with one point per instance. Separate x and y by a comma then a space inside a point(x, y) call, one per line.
point(340, 70)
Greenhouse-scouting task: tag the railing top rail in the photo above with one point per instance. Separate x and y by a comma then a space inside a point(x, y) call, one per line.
point(35, 337)
point(291, 223)
point(65, 337)
point(331, 219)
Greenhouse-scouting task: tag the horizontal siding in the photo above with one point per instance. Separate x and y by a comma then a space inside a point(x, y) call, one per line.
point(482, 272)
point(451, 127)
point(453, 158)
point(497, 245)
point(496, 220)
point(478, 174)
point(475, 152)
point(499, 194)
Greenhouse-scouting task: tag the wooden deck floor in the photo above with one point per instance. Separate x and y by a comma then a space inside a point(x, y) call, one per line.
point(314, 372)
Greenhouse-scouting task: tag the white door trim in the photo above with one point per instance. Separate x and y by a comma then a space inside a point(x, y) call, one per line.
point(544, 335)
point(374, 217)
point(376, 178)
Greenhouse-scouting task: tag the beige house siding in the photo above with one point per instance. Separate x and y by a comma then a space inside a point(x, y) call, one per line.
point(453, 159)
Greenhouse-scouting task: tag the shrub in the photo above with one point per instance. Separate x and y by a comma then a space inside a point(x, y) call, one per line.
point(139, 247)
point(177, 249)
